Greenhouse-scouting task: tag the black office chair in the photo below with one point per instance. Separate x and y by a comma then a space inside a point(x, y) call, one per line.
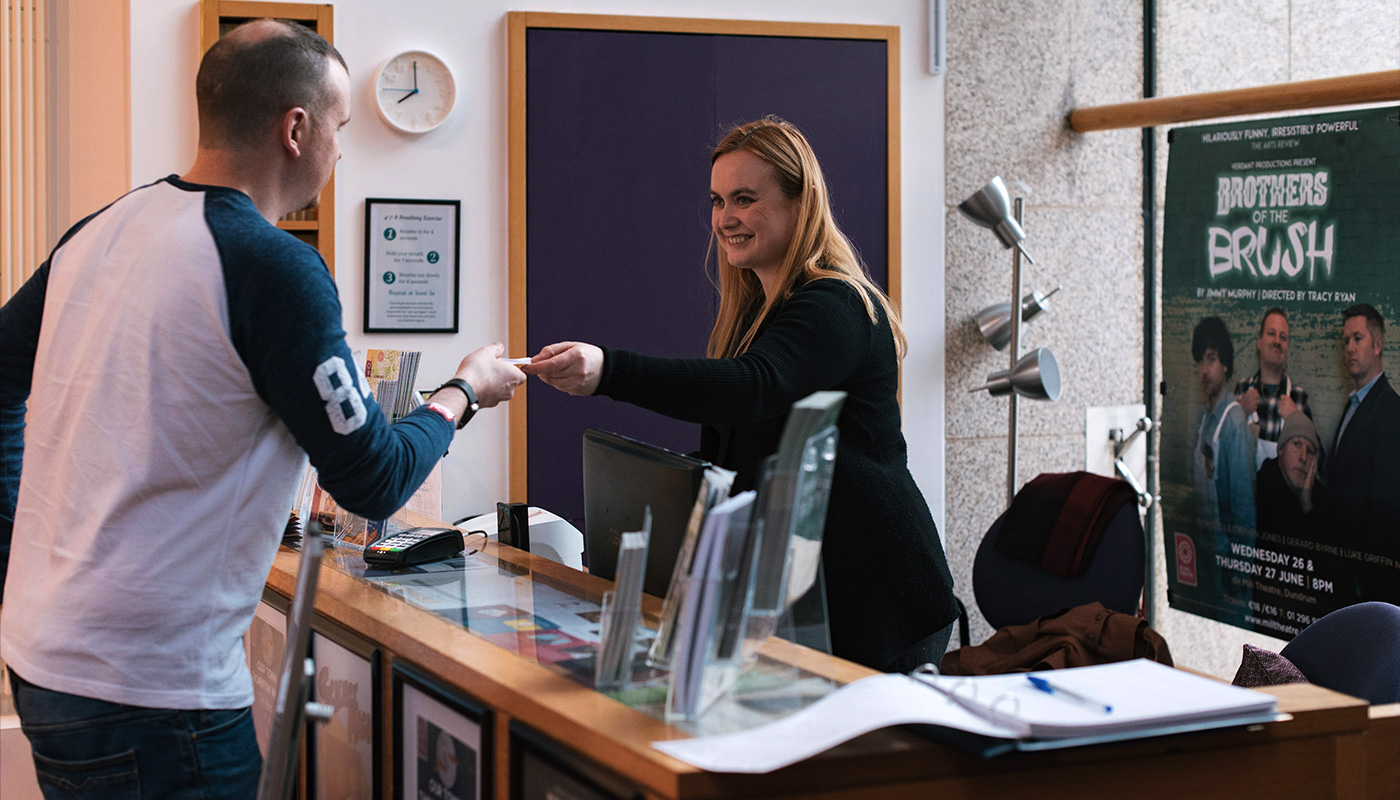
point(1353, 650)
point(1010, 591)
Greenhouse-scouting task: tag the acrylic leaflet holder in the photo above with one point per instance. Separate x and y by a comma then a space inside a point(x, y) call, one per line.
point(753, 568)
point(787, 562)
point(714, 487)
point(706, 660)
point(621, 613)
point(315, 504)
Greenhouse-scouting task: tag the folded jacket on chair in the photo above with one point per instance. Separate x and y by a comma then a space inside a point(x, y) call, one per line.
point(1075, 637)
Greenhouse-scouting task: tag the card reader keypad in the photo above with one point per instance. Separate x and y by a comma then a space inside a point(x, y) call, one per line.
point(402, 541)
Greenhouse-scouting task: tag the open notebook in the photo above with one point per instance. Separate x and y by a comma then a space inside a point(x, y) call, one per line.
point(991, 714)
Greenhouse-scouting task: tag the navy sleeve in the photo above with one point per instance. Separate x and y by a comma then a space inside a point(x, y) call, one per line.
point(285, 321)
point(813, 341)
point(19, 333)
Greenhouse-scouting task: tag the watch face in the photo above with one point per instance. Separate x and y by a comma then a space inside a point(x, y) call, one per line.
point(415, 91)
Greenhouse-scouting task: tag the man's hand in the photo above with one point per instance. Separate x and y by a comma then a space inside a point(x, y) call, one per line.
point(1286, 406)
point(1249, 401)
point(493, 380)
point(572, 367)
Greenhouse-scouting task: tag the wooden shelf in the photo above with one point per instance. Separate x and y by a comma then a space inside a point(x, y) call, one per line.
point(217, 17)
point(299, 224)
point(1371, 87)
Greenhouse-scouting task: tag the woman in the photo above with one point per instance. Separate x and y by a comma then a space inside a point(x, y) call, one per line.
point(797, 315)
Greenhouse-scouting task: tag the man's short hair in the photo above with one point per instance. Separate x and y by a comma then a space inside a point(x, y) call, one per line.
point(1374, 320)
point(1211, 332)
point(1264, 320)
point(246, 83)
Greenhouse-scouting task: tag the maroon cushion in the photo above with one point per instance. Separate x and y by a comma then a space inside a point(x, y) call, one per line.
point(1261, 667)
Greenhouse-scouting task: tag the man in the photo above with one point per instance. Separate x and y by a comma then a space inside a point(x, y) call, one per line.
point(185, 358)
point(1288, 489)
point(1224, 457)
point(1363, 472)
point(1268, 395)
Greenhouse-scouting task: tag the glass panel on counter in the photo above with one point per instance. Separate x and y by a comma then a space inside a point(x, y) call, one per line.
point(552, 622)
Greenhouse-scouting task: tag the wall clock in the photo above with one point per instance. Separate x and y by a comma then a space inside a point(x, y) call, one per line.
point(414, 91)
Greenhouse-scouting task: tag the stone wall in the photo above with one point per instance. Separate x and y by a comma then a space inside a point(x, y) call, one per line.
point(1015, 70)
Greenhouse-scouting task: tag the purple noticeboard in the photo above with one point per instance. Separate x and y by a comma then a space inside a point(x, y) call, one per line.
point(619, 129)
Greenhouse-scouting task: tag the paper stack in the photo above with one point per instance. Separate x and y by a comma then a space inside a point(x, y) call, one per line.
point(390, 375)
point(622, 610)
point(713, 488)
point(698, 675)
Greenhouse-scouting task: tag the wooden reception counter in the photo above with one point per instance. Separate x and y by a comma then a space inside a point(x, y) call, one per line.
point(447, 648)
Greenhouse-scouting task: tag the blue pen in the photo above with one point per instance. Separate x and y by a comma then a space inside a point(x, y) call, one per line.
point(1059, 691)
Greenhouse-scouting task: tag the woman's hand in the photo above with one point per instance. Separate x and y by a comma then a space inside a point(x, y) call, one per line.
point(572, 367)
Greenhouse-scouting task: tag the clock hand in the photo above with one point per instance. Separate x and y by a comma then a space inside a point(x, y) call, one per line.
point(415, 76)
point(396, 89)
point(405, 97)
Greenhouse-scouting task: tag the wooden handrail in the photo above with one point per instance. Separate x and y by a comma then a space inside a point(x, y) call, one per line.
point(1370, 87)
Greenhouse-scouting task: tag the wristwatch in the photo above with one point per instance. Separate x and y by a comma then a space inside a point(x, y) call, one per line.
point(472, 405)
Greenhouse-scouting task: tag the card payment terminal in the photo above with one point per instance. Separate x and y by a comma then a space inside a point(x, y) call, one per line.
point(414, 546)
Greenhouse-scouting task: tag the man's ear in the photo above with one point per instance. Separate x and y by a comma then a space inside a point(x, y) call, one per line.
point(295, 125)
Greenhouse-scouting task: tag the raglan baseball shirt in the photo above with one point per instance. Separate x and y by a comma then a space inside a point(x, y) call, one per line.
point(180, 358)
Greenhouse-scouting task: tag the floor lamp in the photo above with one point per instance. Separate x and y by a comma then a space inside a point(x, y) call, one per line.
point(1035, 375)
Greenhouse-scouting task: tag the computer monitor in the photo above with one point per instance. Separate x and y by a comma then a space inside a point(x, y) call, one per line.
point(621, 477)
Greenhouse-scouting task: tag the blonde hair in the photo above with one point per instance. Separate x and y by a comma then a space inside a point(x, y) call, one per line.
point(818, 248)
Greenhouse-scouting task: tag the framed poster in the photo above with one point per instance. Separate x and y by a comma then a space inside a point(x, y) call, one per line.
point(542, 769)
point(1280, 299)
point(412, 266)
point(442, 741)
point(344, 750)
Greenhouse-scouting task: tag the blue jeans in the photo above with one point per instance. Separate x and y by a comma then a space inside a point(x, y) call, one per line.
point(86, 748)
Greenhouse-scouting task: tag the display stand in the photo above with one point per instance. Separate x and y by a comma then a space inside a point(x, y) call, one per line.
point(707, 658)
point(714, 487)
point(756, 571)
point(357, 533)
point(794, 517)
point(621, 613)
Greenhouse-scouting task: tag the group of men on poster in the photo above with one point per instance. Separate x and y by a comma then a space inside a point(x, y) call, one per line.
point(1259, 461)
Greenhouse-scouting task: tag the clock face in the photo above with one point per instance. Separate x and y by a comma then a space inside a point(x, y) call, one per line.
point(415, 91)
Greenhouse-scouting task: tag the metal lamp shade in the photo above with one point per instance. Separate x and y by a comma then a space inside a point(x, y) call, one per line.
point(990, 207)
point(1036, 376)
point(995, 320)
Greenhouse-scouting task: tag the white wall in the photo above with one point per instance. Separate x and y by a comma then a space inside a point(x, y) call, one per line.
point(90, 94)
point(465, 159)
